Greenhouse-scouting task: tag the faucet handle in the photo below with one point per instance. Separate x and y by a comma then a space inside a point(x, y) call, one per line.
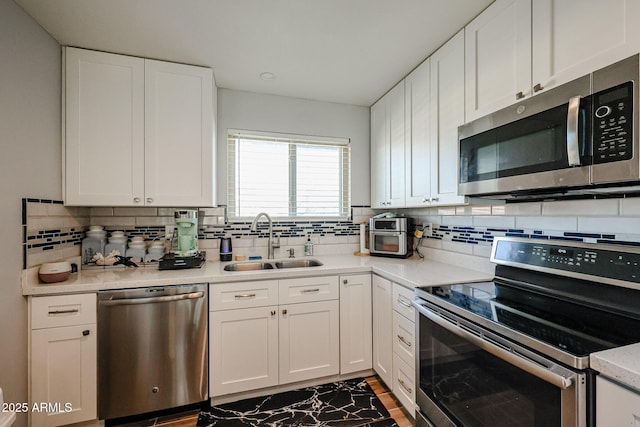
point(275, 243)
point(292, 252)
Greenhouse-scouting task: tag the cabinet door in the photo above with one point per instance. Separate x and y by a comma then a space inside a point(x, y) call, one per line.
point(498, 57)
point(616, 405)
point(404, 338)
point(404, 384)
point(447, 113)
point(379, 149)
point(309, 341)
point(572, 38)
point(355, 323)
point(417, 136)
point(243, 350)
point(104, 129)
point(179, 136)
point(64, 375)
point(382, 329)
point(395, 118)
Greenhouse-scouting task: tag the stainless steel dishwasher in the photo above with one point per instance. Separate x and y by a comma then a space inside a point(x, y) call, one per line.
point(152, 349)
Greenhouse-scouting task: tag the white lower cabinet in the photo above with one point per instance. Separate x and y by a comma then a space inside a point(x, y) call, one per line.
point(244, 349)
point(63, 360)
point(404, 364)
point(616, 405)
point(257, 342)
point(309, 341)
point(382, 330)
point(355, 323)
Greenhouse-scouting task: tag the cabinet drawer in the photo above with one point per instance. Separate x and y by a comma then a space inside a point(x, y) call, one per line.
point(63, 310)
point(309, 289)
point(404, 387)
point(404, 338)
point(402, 298)
point(230, 296)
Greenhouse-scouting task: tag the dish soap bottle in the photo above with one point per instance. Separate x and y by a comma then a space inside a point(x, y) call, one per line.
point(308, 247)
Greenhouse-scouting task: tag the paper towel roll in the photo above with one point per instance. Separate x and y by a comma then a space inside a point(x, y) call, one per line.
point(363, 238)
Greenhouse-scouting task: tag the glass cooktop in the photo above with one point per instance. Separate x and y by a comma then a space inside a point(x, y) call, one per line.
point(570, 327)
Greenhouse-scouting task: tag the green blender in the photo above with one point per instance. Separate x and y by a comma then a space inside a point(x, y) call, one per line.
point(185, 253)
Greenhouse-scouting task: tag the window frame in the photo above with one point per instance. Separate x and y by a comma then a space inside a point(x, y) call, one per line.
point(294, 141)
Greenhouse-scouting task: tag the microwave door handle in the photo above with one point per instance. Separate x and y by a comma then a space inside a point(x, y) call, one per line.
point(573, 147)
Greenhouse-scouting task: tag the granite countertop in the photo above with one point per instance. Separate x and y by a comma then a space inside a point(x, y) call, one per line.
point(621, 364)
point(406, 272)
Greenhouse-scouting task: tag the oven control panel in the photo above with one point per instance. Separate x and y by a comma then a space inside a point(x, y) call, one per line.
point(599, 261)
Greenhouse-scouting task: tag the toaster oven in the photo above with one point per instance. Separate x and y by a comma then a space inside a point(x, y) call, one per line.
point(390, 237)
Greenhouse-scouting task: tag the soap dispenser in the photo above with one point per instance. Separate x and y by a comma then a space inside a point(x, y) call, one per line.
point(308, 247)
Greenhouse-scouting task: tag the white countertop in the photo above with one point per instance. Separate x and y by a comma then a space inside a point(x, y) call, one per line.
point(621, 364)
point(406, 272)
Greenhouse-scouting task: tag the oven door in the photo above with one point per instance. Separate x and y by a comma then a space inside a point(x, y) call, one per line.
point(468, 376)
point(388, 243)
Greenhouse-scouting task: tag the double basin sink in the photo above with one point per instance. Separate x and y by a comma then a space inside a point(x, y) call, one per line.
point(270, 265)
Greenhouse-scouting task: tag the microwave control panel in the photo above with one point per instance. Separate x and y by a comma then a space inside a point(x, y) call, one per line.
point(613, 124)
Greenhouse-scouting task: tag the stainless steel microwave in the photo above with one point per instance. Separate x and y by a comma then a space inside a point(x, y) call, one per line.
point(578, 138)
point(390, 237)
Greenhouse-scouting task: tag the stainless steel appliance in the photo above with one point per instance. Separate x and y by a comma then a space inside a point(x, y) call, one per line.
point(515, 350)
point(579, 138)
point(152, 349)
point(390, 237)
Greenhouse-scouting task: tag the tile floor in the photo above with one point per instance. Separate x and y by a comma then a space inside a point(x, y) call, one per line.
point(386, 397)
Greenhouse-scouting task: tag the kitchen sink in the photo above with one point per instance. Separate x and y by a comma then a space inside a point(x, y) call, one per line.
point(248, 266)
point(295, 263)
point(259, 265)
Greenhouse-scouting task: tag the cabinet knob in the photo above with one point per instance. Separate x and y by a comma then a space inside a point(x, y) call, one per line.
point(537, 88)
point(149, 200)
point(345, 281)
point(284, 311)
point(136, 199)
point(435, 199)
point(86, 332)
point(273, 312)
point(520, 95)
point(425, 200)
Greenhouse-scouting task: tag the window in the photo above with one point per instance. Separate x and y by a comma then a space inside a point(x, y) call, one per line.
point(287, 176)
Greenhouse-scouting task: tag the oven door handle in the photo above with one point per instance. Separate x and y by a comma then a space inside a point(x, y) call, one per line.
point(529, 366)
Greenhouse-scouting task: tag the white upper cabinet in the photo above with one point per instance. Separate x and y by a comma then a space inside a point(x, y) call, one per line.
point(447, 113)
point(572, 38)
point(104, 129)
point(417, 136)
point(518, 48)
point(178, 135)
point(137, 132)
point(387, 150)
point(498, 57)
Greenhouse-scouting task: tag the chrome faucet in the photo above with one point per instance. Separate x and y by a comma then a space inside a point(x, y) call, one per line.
point(272, 244)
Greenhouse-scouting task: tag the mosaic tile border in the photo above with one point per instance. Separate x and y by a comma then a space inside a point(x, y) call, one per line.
point(483, 236)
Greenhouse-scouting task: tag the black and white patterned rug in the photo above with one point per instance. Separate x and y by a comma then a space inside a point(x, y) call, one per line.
point(344, 403)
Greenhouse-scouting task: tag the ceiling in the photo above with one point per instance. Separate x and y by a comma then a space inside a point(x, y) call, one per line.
point(345, 51)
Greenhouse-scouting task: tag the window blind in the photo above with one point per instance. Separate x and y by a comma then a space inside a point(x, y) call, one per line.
point(287, 176)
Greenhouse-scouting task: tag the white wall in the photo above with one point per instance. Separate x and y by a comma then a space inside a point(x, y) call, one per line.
point(29, 167)
point(270, 113)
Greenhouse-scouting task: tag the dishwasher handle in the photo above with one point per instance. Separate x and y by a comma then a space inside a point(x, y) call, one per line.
point(151, 300)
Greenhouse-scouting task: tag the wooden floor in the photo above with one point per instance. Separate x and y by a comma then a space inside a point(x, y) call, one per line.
point(386, 397)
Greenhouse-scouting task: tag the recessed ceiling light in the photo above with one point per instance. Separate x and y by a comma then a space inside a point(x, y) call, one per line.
point(267, 76)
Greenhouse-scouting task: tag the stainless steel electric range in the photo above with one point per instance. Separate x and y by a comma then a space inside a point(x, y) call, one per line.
point(514, 351)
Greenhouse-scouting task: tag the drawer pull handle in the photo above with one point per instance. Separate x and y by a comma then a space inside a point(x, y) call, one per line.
point(69, 311)
point(309, 291)
point(403, 302)
point(404, 340)
point(245, 296)
point(86, 332)
point(405, 386)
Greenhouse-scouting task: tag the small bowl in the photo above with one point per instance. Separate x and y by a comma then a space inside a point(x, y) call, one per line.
point(54, 272)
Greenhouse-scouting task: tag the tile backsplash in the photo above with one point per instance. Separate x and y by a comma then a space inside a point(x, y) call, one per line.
point(53, 231)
